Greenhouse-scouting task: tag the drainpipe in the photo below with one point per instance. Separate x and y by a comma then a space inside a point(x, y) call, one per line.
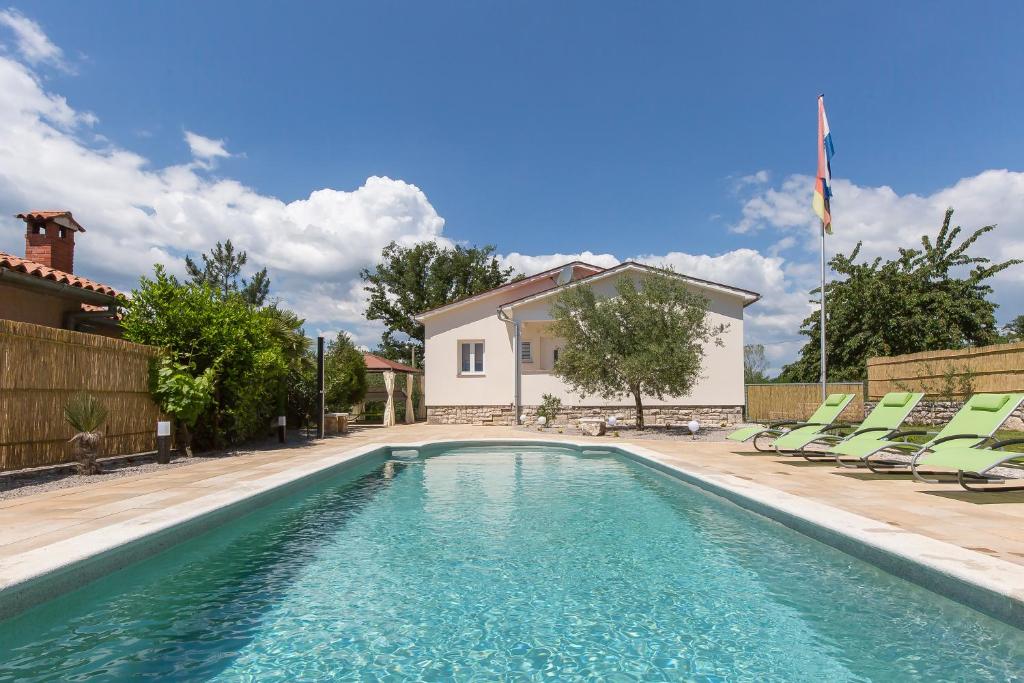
point(518, 362)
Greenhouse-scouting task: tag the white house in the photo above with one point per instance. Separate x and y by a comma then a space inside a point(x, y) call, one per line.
point(489, 357)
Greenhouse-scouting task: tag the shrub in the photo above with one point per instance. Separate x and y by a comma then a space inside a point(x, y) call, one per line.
point(207, 331)
point(550, 407)
point(181, 394)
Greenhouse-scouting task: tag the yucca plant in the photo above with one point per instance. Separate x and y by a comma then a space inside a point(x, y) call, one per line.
point(86, 415)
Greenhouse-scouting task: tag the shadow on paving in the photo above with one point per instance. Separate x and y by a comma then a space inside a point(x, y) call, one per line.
point(988, 498)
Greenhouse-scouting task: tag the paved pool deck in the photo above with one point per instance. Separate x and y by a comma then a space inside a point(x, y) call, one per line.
point(988, 526)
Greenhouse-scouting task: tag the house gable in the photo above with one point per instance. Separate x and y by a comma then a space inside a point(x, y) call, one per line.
point(747, 297)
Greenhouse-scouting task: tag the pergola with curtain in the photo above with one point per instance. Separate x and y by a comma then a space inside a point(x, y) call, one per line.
point(390, 370)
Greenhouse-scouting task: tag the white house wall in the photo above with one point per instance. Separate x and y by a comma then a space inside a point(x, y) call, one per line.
point(454, 398)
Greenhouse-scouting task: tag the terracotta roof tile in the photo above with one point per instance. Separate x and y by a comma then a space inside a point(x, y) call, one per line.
point(375, 362)
point(21, 265)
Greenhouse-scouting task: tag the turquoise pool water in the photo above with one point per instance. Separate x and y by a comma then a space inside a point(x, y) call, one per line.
point(499, 563)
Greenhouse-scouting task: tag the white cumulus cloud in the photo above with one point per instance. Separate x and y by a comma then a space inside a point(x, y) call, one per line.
point(138, 215)
point(204, 148)
point(30, 40)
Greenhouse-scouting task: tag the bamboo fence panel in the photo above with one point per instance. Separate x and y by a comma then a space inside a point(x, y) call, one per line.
point(40, 367)
point(996, 368)
point(767, 402)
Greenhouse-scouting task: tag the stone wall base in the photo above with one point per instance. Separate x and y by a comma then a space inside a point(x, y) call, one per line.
point(934, 413)
point(653, 416)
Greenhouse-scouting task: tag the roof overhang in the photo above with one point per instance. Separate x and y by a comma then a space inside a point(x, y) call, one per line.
point(508, 285)
point(748, 297)
point(35, 282)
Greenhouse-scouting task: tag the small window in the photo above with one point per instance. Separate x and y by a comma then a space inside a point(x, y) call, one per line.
point(471, 358)
point(526, 352)
point(61, 233)
point(555, 355)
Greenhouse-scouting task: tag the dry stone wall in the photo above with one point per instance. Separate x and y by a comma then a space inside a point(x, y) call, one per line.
point(569, 415)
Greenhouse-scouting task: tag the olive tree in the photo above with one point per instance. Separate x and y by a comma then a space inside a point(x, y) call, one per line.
point(647, 340)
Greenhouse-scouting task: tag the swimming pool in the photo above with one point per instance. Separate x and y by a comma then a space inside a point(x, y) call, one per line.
point(531, 562)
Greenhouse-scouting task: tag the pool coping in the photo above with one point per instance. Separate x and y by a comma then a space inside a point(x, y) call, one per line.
point(988, 584)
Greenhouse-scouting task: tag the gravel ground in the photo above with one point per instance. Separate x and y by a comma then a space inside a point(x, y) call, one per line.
point(27, 482)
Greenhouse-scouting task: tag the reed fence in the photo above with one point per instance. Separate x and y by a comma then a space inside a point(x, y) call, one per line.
point(40, 367)
point(767, 402)
point(949, 374)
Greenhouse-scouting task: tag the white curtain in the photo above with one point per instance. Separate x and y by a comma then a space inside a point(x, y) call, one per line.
point(423, 399)
point(410, 415)
point(389, 409)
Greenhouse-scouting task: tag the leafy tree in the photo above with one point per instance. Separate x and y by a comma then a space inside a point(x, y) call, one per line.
point(920, 301)
point(344, 374)
point(410, 280)
point(202, 329)
point(646, 340)
point(345, 381)
point(222, 269)
point(754, 364)
point(1014, 330)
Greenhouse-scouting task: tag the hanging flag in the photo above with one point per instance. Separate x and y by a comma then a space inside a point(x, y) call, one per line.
point(823, 182)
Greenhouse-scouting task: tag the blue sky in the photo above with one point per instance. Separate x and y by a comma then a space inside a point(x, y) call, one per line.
point(547, 129)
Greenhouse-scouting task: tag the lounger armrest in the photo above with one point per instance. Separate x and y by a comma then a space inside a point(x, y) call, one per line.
point(911, 432)
point(1007, 442)
point(954, 437)
point(797, 425)
point(865, 430)
point(782, 423)
point(838, 425)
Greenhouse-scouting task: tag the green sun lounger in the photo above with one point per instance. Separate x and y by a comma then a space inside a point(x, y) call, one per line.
point(973, 465)
point(823, 418)
point(884, 420)
point(973, 425)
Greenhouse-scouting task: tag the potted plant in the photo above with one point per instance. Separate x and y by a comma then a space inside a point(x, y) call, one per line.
point(181, 395)
point(86, 415)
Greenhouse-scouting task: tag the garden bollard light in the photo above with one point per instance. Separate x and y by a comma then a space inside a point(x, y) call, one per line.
point(163, 442)
point(281, 422)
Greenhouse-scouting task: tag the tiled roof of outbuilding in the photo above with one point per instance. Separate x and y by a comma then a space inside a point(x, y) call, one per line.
point(20, 265)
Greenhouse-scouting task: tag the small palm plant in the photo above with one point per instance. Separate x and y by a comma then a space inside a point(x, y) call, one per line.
point(86, 414)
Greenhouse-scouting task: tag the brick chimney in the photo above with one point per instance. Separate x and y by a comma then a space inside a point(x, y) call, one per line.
point(50, 238)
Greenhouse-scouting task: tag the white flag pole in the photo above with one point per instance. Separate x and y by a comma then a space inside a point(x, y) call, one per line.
point(824, 387)
point(824, 369)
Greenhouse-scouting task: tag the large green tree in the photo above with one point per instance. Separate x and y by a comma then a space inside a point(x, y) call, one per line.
point(1013, 331)
point(647, 340)
point(926, 299)
point(410, 280)
point(222, 269)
